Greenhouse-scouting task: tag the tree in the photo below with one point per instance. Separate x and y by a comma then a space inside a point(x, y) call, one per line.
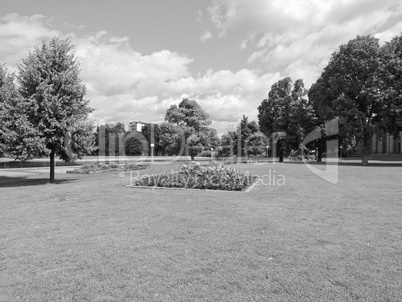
point(288, 113)
point(109, 139)
point(227, 144)
point(133, 146)
point(188, 119)
point(171, 139)
point(350, 88)
point(189, 115)
point(152, 133)
point(273, 112)
point(246, 140)
point(390, 82)
point(53, 104)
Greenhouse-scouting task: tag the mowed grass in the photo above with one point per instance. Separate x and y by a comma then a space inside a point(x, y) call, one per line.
point(89, 238)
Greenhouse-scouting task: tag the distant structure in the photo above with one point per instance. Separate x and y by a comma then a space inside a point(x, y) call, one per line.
point(136, 126)
point(386, 144)
point(382, 144)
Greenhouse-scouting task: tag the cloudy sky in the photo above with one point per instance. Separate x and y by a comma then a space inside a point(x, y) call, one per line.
point(140, 56)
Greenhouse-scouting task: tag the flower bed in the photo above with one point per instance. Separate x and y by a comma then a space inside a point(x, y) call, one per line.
point(195, 176)
point(97, 168)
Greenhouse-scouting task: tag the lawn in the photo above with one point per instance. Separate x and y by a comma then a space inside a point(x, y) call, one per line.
point(89, 238)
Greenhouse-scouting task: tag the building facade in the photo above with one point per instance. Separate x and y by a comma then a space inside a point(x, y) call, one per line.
point(386, 144)
point(136, 126)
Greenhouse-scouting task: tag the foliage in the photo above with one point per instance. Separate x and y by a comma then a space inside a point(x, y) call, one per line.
point(52, 99)
point(109, 139)
point(227, 147)
point(134, 145)
point(171, 139)
point(187, 125)
point(46, 112)
point(287, 111)
point(79, 140)
point(244, 142)
point(189, 115)
point(18, 137)
point(351, 88)
point(195, 176)
point(205, 153)
point(389, 81)
point(152, 133)
point(98, 167)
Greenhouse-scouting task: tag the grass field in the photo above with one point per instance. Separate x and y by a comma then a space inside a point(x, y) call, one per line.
point(89, 238)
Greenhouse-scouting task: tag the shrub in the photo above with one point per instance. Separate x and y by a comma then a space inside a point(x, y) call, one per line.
point(205, 153)
point(195, 176)
point(95, 168)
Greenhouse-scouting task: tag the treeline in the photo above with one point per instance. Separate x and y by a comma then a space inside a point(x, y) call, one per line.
point(43, 110)
point(360, 88)
point(359, 91)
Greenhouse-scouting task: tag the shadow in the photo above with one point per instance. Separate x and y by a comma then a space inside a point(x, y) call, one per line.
point(342, 163)
point(11, 182)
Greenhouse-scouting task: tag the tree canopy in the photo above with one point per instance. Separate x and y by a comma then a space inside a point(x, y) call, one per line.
point(109, 139)
point(287, 111)
point(357, 87)
point(187, 124)
point(246, 140)
point(51, 105)
point(152, 133)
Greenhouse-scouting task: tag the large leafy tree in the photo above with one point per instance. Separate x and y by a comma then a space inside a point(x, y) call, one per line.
point(133, 146)
point(52, 101)
point(351, 88)
point(273, 112)
point(389, 80)
point(288, 113)
point(189, 120)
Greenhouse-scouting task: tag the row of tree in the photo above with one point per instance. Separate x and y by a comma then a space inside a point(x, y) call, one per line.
point(361, 87)
point(43, 111)
point(185, 131)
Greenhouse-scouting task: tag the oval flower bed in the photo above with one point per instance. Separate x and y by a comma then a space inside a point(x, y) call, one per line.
point(195, 176)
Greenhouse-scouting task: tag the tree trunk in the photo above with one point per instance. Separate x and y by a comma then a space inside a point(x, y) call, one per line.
point(281, 147)
point(366, 147)
point(52, 167)
point(321, 148)
point(319, 155)
point(192, 156)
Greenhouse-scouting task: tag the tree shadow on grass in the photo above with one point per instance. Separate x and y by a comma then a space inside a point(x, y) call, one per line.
point(356, 164)
point(19, 181)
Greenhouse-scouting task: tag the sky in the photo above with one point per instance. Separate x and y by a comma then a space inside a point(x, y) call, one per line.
point(139, 57)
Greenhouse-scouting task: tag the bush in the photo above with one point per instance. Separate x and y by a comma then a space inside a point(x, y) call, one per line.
point(195, 176)
point(205, 153)
point(96, 168)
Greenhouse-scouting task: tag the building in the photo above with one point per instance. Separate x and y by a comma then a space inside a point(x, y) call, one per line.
point(136, 126)
point(386, 144)
point(382, 144)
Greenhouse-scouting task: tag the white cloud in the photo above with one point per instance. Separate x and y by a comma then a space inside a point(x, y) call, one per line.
point(198, 18)
point(205, 36)
point(18, 34)
point(389, 33)
point(302, 34)
point(124, 84)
